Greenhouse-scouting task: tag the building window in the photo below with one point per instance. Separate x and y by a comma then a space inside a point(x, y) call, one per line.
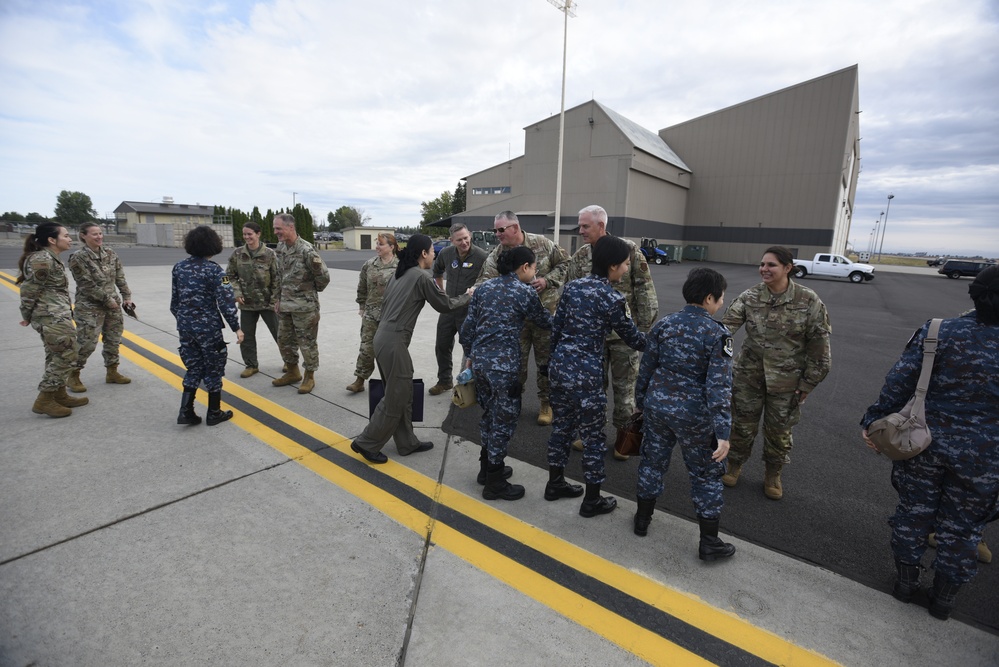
point(500, 190)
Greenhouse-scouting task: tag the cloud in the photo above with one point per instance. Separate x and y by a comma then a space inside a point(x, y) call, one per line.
point(385, 105)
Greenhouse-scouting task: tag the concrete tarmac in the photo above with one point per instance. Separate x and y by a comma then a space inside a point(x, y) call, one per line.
point(126, 539)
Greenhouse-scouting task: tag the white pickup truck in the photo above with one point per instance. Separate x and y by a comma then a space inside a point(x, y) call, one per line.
point(836, 266)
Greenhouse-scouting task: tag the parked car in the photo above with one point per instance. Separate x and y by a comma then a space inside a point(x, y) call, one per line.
point(440, 245)
point(939, 261)
point(955, 268)
point(401, 238)
point(834, 266)
point(653, 253)
point(336, 236)
point(485, 240)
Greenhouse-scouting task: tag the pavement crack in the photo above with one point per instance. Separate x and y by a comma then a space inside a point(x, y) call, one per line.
point(140, 513)
point(428, 540)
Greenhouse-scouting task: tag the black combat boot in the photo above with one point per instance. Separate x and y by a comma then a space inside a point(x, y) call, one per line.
point(942, 596)
point(711, 547)
point(594, 503)
point(497, 488)
point(484, 463)
point(643, 517)
point(215, 414)
point(907, 581)
point(187, 415)
point(557, 487)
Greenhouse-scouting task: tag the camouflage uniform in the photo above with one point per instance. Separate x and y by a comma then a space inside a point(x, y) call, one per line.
point(98, 307)
point(375, 275)
point(302, 274)
point(953, 486)
point(46, 307)
point(640, 292)
point(549, 256)
point(200, 298)
point(589, 309)
point(685, 392)
point(459, 274)
point(786, 350)
point(253, 276)
point(489, 336)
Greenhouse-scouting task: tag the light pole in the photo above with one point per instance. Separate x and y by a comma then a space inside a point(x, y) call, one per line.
point(885, 225)
point(293, 195)
point(566, 9)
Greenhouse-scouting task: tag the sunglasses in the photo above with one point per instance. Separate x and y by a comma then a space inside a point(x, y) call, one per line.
point(500, 230)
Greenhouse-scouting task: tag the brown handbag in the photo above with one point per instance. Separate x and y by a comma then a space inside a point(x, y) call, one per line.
point(629, 438)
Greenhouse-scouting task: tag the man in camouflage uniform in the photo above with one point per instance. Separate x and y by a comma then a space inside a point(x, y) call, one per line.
point(684, 390)
point(99, 278)
point(549, 257)
point(785, 355)
point(490, 337)
point(302, 274)
point(460, 263)
point(640, 293)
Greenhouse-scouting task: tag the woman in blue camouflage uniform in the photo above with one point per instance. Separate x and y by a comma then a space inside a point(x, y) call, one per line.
point(200, 298)
point(684, 390)
point(490, 337)
point(375, 275)
point(587, 312)
point(46, 307)
point(952, 487)
point(252, 273)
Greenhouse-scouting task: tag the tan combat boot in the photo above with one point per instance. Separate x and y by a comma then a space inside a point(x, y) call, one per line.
point(731, 475)
point(45, 405)
point(62, 398)
point(74, 382)
point(771, 482)
point(249, 371)
point(308, 383)
point(545, 414)
point(291, 375)
point(114, 377)
point(358, 385)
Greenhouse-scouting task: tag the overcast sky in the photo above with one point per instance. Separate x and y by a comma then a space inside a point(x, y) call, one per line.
point(383, 104)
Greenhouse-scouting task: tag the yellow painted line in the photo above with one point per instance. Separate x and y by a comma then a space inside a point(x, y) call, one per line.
point(631, 637)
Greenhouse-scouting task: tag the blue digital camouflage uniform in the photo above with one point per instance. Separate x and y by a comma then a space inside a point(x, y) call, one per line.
point(684, 389)
point(587, 312)
point(99, 277)
point(490, 336)
point(952, 487)
point(46, 307)
point(200, 298)
point(786, 350)
point(548, 258)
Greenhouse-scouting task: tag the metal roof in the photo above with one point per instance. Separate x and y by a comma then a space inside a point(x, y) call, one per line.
point(646, 140)
point(168, 209)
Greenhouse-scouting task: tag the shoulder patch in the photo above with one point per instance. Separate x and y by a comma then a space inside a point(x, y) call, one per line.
point(225, 279)
point(728, 349)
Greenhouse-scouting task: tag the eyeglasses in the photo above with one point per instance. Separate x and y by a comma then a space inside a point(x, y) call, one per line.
point(500, 230)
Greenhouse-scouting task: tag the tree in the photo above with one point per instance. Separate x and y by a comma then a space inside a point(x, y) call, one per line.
point(347, 216)
point(35, 218)
point(458, 205)
point(12, 216)
point(74, 208)
point(437, 209)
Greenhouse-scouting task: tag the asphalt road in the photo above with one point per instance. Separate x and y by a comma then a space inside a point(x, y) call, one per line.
point(837, 494)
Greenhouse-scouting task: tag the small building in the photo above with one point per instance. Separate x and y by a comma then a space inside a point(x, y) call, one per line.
point(363, 238)
point(166, 223)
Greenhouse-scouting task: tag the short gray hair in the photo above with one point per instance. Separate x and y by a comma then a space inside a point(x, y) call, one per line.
point(507, 215)
point(597, 212)
point(285, 219)
point(455, 228)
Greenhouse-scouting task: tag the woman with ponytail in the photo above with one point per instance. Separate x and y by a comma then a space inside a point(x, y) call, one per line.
point(409, 289)
point(952, 486)
point(46, 307)
point(490, 337)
